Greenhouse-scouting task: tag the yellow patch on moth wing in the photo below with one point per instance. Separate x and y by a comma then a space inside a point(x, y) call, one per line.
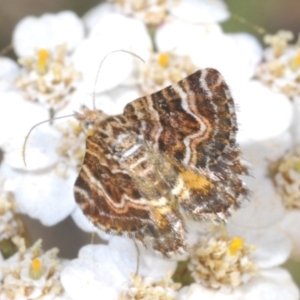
point(195, 181)
point(159, 216)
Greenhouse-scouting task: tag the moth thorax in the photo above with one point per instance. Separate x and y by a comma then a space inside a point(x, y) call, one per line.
point(125, 145)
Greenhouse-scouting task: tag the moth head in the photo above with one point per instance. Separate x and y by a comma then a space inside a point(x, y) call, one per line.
point(88, 117)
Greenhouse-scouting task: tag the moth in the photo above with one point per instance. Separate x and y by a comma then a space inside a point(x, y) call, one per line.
point(170, 154)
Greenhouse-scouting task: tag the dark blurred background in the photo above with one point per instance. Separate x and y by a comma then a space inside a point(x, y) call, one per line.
point(269, 14)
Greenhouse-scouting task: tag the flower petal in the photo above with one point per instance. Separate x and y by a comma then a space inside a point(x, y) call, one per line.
point(8, 72)
point(290, 226)
point(114, 70)
point(124, 33)
point(273, 246)
point(45, 196)
point(124, 253)
point(196, 11)
point(263, 210)
point(179, 36)
point(95, 14)
point(47, 32)
point(273, 284)
point(262, 113)
point(17, 118)
point(94, 273)
point(113, 32)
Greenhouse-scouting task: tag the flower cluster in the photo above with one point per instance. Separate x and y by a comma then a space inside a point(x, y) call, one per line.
point(11, 225)
point(286, 174)
point(164, 69)
point(67, 64)
point(222, 262)
point(48, 78)
point(281, 68)
point(30, 273)
point(143, 288)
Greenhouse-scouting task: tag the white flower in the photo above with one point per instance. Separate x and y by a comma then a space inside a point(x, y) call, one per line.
point(265, 119)
point(285, 174)
point(204, 11)
point(221, 262)
point(234, 55)
point(112, 32)
point(262, 114)
point(8, 72)
point(11, 225)
point(150, 12)
point(175, 36)
point(261, 230)
point(281, 68)
point(230, 269)
point(147, 289)
point(30, 274)
point(92, 17)
point(49, 196)
point(51, 187)
point(47, 32)
point(48, 78)
point(44, 188)
point(275, 284)
point(162, 70)
point(156, 12)
point(107, 270)
point(44, 45)
point(289, 225)
point(276, 159)
point(19, 116)
point(295, 130)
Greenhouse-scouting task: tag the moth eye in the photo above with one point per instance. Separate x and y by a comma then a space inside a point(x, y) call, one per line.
point(88, 124)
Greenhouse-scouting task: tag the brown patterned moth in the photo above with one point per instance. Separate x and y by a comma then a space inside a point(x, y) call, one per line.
point(169, 153)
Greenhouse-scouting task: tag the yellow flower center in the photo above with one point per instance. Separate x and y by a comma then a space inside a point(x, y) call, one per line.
point(163, 60)
point(36, 271)
point(236, 244)
point(43, 56)
point(296, 61)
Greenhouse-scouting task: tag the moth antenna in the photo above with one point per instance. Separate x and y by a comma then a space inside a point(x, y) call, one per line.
point(260, 30)
point(137, 258)
point(98, 72)
point(93, 238)
point(30, 130)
